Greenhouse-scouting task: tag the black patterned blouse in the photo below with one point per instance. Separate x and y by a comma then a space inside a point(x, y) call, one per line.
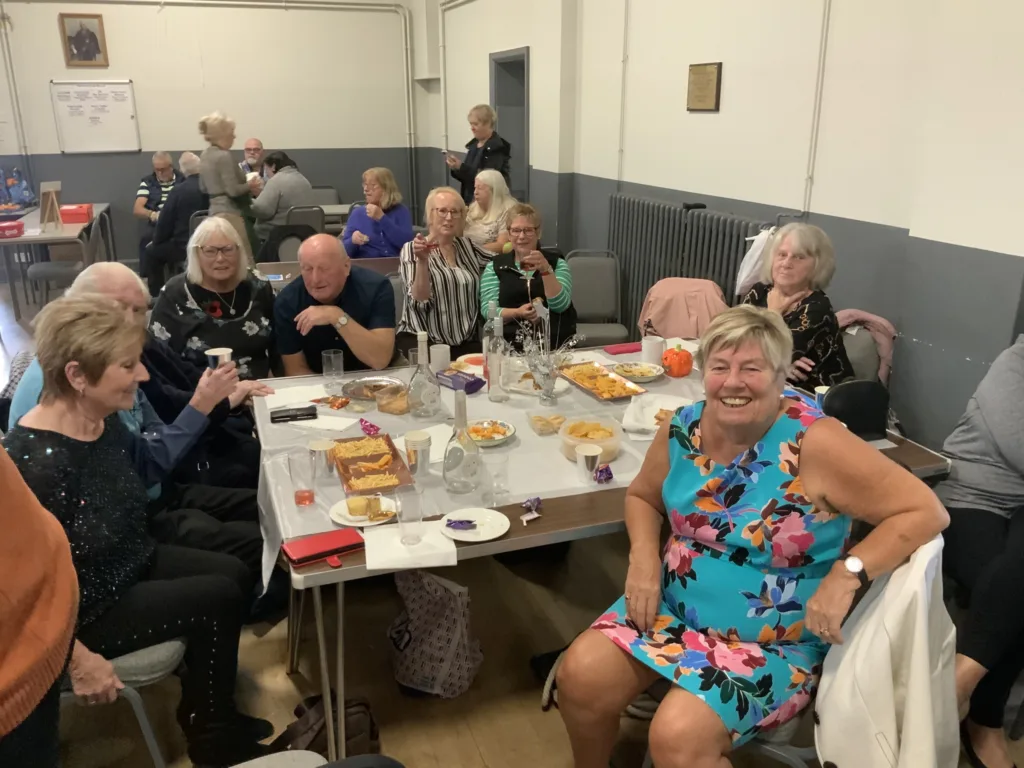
point(816, 336)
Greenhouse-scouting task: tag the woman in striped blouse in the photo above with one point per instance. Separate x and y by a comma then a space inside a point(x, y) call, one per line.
point(441, 274)
point(516, 281)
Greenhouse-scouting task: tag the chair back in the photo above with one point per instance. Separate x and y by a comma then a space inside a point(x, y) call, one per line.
point(596, 293)
point(288, 250)
point(195, 220)
point(399, 288)
point(325, 196)
point(680, 307)
point(310, 215)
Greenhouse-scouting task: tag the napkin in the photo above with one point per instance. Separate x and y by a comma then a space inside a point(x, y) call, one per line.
point(639, 416)
point(294, 396)
point(332, 423)
point(386, 552)
point(440, 434)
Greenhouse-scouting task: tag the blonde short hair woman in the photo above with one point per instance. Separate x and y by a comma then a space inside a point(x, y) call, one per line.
point(222, 178)
point(88, 469)
point(485, 150)
point(218, 302)
point(382, 226)
point(754, 583)
point(800, 265)
point(487, 217)
point(441, 273)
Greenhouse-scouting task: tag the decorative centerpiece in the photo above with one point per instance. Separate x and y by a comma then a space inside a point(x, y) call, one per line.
point(544, 363)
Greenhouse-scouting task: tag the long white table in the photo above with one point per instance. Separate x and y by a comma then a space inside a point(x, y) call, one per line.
point(36, 235)
point(573, 510)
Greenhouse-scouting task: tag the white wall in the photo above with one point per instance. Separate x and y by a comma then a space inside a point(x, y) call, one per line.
point(294, 78)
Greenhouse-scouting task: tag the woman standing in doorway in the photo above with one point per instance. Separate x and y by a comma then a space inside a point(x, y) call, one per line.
point(486, 150)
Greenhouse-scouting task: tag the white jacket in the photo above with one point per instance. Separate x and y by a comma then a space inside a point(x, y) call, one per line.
point(887, 696)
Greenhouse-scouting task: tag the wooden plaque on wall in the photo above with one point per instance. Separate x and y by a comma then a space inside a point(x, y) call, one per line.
point(704, 88)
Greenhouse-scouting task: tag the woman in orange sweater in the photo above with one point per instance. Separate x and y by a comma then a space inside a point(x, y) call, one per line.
point(38, 606)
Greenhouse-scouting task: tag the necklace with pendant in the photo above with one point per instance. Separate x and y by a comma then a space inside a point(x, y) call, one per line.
point(231, 304)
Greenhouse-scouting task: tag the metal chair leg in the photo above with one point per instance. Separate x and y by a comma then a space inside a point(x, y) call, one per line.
point(296, 608)
point(794, 757)
point(145, 726)
point(325, 674)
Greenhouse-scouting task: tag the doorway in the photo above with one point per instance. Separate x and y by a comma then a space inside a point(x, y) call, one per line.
point(510, 96)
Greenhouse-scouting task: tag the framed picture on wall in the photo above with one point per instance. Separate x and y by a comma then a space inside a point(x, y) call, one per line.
point(81, 35)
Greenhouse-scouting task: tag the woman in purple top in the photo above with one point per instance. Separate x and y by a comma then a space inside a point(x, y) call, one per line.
point(382, 226)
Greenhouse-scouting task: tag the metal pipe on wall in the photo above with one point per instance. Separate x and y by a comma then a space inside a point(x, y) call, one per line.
point(288, 5)
point(446, 5)
point(819, 90)
point(622, 96)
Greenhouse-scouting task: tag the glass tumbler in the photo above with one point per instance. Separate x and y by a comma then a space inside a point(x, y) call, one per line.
point(300, 469)
point(334, 371)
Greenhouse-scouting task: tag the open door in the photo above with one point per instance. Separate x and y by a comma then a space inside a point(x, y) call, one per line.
point(510, 96)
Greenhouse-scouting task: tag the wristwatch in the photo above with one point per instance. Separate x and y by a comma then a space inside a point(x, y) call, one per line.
point(855, 566)
point(341, 323)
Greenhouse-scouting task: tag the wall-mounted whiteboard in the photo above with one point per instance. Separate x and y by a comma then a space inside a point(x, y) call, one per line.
point(95, 115)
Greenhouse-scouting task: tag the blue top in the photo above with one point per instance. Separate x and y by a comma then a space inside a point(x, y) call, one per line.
point(156, 447)
point(367, 298)
point(387, 236)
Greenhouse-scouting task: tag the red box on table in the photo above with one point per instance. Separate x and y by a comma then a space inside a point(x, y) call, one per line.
point(9, 229)
point(76, 214)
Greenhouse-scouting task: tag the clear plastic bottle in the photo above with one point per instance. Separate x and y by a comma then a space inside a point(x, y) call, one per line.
point(424, 390)
point(462, 455)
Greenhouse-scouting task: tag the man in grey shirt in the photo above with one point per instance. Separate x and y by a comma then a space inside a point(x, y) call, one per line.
point(286, 188)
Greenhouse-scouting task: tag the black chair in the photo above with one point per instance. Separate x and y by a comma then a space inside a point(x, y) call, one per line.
point(309, 215)
point(195, 220)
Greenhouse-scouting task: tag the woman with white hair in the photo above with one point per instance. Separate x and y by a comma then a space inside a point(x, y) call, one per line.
point(485, 150)
point(441, 273)
point(218, 302)
point(487, 218)
point(737, 610)
point(223, 180)
point(799, 268)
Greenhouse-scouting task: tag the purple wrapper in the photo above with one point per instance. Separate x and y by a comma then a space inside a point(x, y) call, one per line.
point(461, 525)
point(603, 474)
point(532, 505)
point(368, 428)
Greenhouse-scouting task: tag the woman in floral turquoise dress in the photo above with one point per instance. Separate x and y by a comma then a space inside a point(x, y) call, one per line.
point(739, 608)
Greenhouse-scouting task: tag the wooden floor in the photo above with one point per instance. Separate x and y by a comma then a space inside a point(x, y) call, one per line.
point(517, 612)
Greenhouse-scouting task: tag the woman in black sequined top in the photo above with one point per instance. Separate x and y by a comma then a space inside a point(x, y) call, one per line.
point(87, 469)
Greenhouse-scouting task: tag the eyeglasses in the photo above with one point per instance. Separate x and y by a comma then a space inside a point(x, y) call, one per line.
point(448, 213)
point(517, 231)
point(212, 251)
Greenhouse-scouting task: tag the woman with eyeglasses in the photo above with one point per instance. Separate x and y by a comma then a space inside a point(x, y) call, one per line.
point(519, 280)
point(382, 226)
point(441, 275)
point(218, 302)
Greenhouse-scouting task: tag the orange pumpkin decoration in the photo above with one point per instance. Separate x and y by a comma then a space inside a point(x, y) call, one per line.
point(677, 362)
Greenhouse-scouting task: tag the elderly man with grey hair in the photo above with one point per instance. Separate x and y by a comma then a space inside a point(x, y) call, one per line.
point(173, 227)
point(190, 430)
point(151, 196)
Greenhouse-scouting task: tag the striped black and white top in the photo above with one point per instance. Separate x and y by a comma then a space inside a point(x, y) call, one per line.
point(450, 315)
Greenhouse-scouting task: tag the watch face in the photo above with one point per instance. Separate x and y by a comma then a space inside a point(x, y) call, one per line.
point(854, 564)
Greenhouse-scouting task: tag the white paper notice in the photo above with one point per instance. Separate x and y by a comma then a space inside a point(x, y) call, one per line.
point(386, 552)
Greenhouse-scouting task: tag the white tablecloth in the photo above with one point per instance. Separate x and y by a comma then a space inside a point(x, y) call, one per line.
point(536, 465)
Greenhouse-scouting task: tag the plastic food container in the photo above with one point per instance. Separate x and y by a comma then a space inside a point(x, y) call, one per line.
point(393, 399)
point(610, 446)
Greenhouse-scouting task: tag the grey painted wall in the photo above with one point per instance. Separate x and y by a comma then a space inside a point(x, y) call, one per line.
point(955, 308)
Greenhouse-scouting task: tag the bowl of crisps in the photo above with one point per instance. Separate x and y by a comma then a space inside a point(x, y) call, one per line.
point(591, 430)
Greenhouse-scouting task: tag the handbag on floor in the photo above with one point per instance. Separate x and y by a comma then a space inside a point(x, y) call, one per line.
point(309, 731)
point(432, 647)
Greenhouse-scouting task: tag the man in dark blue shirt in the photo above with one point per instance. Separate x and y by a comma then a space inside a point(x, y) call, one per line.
point(334, 305)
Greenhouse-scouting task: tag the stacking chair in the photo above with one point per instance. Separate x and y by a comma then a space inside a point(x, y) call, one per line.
point(326, 196)
point(310, 215)
point(597, 296)
point(195, 220)
point(139, 669)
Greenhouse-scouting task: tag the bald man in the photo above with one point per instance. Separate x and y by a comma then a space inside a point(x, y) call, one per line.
point(334, 305)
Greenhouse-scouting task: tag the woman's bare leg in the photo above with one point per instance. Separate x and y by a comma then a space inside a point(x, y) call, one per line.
point(687, 733)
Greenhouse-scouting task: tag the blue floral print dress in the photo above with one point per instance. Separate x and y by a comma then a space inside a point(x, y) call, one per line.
point(747, 551)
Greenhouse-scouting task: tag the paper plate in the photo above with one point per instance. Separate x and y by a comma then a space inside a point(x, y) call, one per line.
point(641, 373)
point(474, 368)
point(488, 443)
point(489, 524)
point(525, 387)
point(339, 514)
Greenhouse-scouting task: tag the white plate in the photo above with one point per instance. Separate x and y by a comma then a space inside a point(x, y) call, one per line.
point(339, 514)
point(657, 372)
point(521, 387)
point(473, 370)
point(489, 524)
point(510, 431)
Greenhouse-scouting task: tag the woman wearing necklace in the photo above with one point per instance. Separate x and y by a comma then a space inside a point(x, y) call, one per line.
point(218, 302)
point(441, 275)
point(516, 281)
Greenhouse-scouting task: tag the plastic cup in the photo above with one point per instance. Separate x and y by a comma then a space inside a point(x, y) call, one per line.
point(218, 356)
point(334, 370)
point(819, 397)
point(588, 458)
point(440, 357)
point(300, 468)
point(496, 485)
point(410, 517)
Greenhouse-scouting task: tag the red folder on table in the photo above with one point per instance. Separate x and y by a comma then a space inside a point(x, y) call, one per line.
point(321, 546)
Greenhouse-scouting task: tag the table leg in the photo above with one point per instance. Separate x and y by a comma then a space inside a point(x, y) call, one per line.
point(296, 606)
point(339, 671)
point(15, 304)
point(325, 674)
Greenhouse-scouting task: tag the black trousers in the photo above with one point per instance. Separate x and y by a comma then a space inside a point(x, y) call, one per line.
point(34, 743)
point(214, 519)
point(201, 597)
point(984, 553)
point(159, 258)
